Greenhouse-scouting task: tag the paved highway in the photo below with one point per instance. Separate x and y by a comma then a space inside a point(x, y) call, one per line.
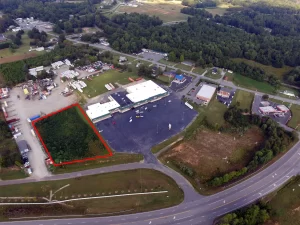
point(195, 209)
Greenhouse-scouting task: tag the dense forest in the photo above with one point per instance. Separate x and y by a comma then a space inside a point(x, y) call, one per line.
point(68, 137)
point(293, 77)
point(9, 153)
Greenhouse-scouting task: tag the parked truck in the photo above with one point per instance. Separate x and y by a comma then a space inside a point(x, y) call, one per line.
point(33, 118)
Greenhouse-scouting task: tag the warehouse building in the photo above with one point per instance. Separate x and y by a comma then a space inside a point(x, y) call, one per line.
point(206, 93)
point(134, 96)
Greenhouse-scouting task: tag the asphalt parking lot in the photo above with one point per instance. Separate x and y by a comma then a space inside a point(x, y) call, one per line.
point(155, 57)
point(178, 87)
point(151, 128)
point(255, 109)
point(226, 101)
point(23, 109)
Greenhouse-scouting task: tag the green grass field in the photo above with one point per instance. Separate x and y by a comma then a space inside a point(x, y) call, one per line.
point(199, 70)
point(115, 183)
point(23, 49)
point(12, 174)
point(165, 79)
point(295, 121)
point(244, 98)
point(213, 76)
point(96, 86)
point(166, 62)
point(285, 204)
point(183, 67)
point(216, 11)
point(278, 72)
point(251, 84)
point(166, 12)
point(117, 158)
point(160, 146)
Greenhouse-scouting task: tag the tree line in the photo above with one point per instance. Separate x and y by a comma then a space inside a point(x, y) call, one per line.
point(9, 153)
point(277, 141)
point(252, 215)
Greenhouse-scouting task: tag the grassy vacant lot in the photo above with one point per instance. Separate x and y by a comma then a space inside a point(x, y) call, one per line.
point(68, 136)
point(116, 183)
point(12, 174)
point(285, 204)
point(117, 158)
point(213, 76)
point(216, 11)
point(251, 84)
point(165, 79)
point(295, 121)
point(278, 72)
point(96, 86)
point(183, 67)
point(244, 98)
point(6, 55)
point(210, 153)
point(199, 70)
point(214, 112)
point(168, 63)
point(166, 12)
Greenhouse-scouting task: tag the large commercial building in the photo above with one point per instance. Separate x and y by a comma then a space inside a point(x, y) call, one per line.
point(206, 93)
point(134, 96)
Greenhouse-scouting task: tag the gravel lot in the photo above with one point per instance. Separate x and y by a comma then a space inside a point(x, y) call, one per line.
point(24, 109)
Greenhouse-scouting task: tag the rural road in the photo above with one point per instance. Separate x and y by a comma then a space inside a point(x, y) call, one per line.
point(195, 209)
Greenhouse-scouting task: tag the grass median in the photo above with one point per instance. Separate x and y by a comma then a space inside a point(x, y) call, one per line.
point(116, 183)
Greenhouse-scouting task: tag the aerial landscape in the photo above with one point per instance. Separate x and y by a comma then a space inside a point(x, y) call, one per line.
point(162, 112)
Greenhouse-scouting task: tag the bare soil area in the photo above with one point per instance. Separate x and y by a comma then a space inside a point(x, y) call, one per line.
point(210, 153)
point(17, 57)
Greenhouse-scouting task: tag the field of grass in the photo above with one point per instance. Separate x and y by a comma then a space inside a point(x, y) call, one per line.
point(213, 76)
point(216, 11)
point(166, 12)
point(295, 121)
point(115, 183)
point(251, 84)
point(285, 204)
point(183, 67)
point(278, 72)
point(166, 62)
point(12, 174)
point(214, 112)
point(164, 79)
point(199, 70)
point(68, 136)
point(117, 158)
point(96, 86)
point(22, 51)
point(244, 98)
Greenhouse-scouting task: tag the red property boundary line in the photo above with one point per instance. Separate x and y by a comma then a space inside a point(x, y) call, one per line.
point(90, 123)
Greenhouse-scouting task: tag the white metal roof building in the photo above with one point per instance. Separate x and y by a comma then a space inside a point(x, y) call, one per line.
point(147, 90)
point(266, 110)
point(283, 108)
point(57, 64)
point(205, 93)
point(97, 112)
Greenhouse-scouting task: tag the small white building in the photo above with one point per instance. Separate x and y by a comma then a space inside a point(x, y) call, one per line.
point(97, 112)
point(266, 110)
point(206, 93)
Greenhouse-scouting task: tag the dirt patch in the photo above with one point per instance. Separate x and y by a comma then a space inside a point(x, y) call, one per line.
point(17, 57)
point(211, 153)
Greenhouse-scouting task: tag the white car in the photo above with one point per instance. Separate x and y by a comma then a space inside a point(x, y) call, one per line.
point(29, 171)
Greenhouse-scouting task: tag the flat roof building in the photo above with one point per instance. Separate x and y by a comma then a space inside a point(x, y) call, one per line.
point(282, 108)
point(206, 93)
point(97, 112)
point(224, 92)
point(266, 110)
point(144, 91)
